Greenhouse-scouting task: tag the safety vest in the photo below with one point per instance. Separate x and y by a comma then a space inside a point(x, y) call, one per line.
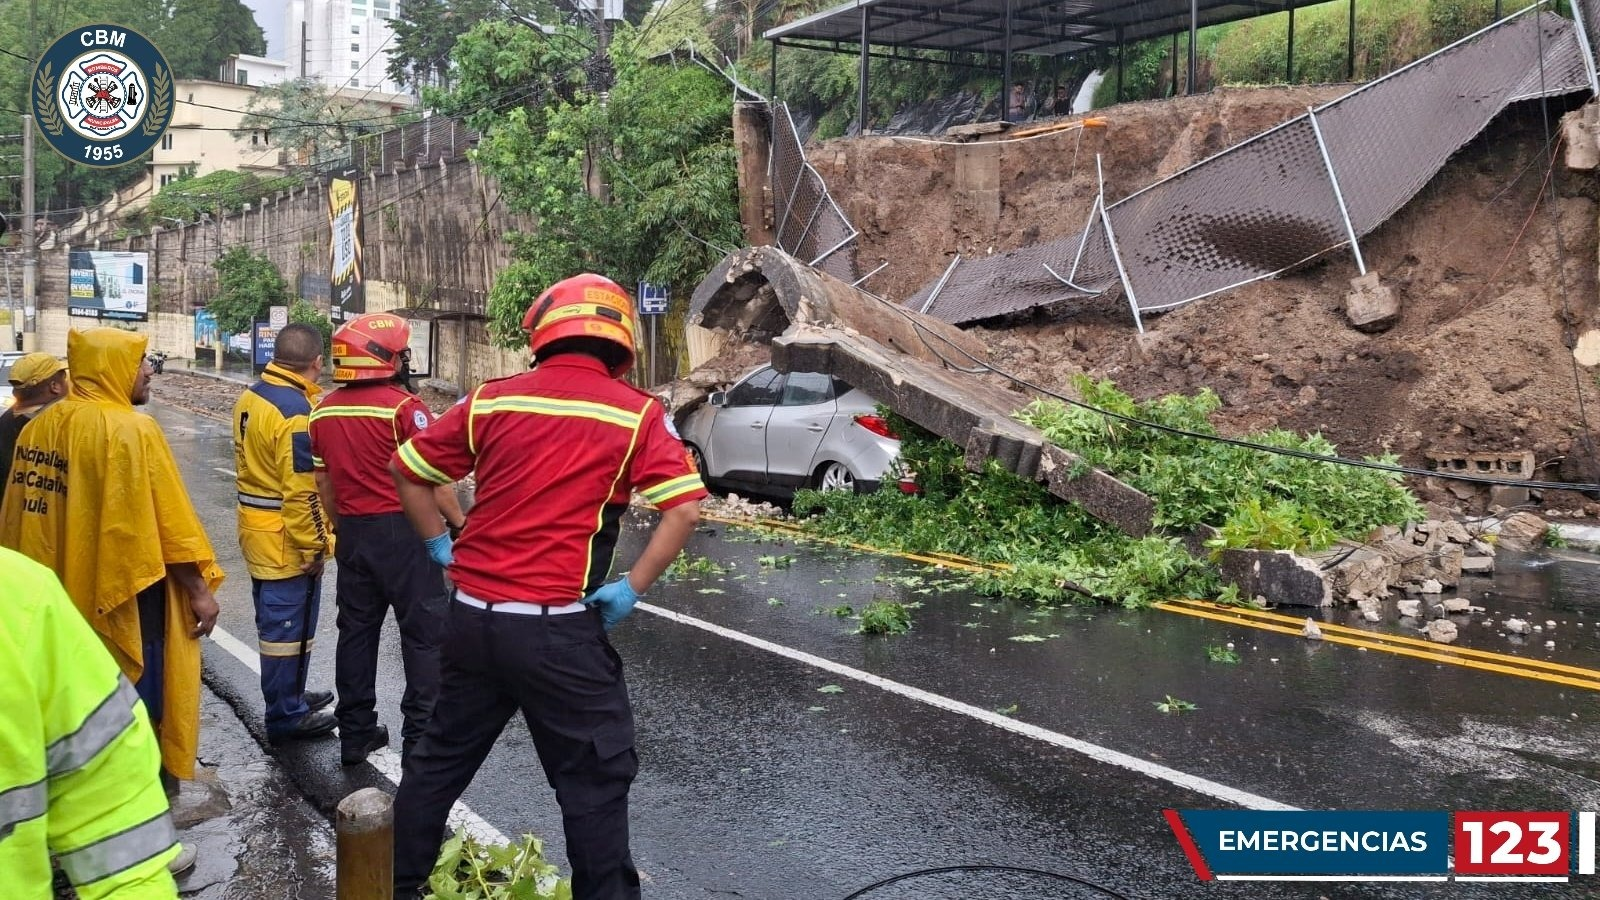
point(78, 761)
point(282, 525)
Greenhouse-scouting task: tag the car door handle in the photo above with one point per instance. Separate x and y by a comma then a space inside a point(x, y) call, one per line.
point(758, 425)
point(814, 428)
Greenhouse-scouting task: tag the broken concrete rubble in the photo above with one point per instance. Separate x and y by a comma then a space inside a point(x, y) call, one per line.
point(1522, 532)
point(1442, 630)
point(1371, 306)
point(1517, 626)
point(1411, 609)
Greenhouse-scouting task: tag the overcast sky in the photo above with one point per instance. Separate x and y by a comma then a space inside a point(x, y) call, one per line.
point(269, 15)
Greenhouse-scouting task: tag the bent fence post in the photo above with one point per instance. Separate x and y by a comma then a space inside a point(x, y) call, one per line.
point(1338, 194)
point(365, 834)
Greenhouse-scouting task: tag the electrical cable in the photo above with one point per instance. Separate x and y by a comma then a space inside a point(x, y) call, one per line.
point(941, 870)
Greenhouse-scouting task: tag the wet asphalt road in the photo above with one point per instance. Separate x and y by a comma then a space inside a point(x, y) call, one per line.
point(755, 784)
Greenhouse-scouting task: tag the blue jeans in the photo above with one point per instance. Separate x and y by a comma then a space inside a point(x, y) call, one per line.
point(286, 620)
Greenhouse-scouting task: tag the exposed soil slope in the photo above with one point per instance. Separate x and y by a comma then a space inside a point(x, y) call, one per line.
point(1479, 361)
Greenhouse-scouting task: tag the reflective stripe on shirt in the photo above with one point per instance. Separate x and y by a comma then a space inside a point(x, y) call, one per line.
point(99, 729)
point(123, 850)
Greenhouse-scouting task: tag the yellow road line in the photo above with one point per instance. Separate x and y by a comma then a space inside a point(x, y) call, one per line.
point(1402, 639)
point(1400, 645)
point(1438, 657)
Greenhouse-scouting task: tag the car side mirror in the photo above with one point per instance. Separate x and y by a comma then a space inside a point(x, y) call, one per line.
point(718, 398)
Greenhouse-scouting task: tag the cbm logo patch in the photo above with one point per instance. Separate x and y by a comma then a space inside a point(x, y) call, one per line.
point(102, 95)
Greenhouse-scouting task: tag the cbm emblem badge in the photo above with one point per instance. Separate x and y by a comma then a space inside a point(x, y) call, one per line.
point(102, 95)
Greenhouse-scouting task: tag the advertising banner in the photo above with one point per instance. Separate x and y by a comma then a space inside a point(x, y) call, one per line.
point(347, 299)
point(108, 284)
point(263, 341)
point(206, 333)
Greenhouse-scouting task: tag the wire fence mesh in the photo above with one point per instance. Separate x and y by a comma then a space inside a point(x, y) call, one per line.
point(807, 223)
point(1273, 202)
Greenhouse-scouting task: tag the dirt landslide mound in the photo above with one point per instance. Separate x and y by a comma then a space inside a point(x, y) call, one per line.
point(1495, 285)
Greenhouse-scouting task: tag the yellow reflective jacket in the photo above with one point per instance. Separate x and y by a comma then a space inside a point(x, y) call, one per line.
point(96, 496)
point(282, 525)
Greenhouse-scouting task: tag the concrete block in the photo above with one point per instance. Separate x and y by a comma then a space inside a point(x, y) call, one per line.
point(1370, 306)
point(1507, 496)
point(1282, 577)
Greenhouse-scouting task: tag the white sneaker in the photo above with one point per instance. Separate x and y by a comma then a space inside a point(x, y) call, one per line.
point(184, 861)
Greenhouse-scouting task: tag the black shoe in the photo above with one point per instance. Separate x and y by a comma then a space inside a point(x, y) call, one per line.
point(311, 725)
point(317, 699)
point(354, 754)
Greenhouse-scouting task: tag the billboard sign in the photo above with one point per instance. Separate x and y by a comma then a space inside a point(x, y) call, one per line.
point(263, 341)
point(421, 346)
point(206, 333)
point(347, 298)
point(109, 285)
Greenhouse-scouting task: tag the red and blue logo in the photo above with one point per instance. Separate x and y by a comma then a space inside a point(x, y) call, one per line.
point(1277, 845)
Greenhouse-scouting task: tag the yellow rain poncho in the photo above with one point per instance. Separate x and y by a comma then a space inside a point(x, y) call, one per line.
point(96, 496)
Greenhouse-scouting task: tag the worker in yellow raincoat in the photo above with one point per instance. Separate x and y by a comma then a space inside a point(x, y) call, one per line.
point(95, 495)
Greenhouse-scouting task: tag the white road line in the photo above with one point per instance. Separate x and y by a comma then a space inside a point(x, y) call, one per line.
point(386, 761)
point(1093, 751)
point(228, 472)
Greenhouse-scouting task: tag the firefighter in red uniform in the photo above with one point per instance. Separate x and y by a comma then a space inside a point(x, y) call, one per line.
point(557, 452)
point(382, 563)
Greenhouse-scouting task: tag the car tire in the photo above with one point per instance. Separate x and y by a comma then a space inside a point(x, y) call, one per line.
point(699, 459)
point(835, 476)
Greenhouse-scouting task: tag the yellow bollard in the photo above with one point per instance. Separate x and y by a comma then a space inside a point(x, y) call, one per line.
point(365, 829)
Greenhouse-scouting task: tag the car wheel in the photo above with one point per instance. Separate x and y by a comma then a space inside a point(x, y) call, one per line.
point(835, 476)
point(699, 462)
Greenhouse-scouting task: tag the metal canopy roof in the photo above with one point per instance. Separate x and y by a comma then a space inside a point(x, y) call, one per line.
point(1038, 27)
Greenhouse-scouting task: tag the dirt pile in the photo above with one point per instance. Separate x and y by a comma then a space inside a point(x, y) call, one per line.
point(1495, 285)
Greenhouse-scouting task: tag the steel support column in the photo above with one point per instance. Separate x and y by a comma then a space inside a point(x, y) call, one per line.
point(1174, 64)
point(1194, 29)
point(866, 49)
point(1350, 45)
point(1288, 76)
point(772, 81)
point(1122, 54)
point(1005, 65)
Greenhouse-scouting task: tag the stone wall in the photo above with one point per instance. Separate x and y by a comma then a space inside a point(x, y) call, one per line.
point(432, 236)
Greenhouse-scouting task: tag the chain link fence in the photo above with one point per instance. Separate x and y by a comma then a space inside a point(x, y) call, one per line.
point(806, 221)
point(1298, 191)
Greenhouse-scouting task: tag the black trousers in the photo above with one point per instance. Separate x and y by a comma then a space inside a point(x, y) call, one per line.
point(384, 565)
point(565, 678)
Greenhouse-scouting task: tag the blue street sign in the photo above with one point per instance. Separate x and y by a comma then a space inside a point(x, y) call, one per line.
point(654, 299)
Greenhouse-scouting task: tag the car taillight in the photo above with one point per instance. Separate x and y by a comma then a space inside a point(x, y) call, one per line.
point(878, 425)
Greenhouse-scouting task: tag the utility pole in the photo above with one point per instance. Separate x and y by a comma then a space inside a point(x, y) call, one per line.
point(304, 28)
point(30, 236)
point(30, 242)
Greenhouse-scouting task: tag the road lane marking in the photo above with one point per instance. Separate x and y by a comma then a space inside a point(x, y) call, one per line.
point(228, 472)
point(1438, 656)
point(1195, 783)
point(1502, 663)
point(385, 760)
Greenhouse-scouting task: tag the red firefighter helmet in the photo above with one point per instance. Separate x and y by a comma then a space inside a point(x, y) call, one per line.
point(368, 347)
point(584, 306)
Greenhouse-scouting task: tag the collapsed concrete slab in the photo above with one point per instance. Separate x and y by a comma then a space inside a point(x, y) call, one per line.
point(935, 375)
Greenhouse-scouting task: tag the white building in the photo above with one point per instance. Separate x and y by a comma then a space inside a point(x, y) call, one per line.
point(255, 71)
point(342, 43)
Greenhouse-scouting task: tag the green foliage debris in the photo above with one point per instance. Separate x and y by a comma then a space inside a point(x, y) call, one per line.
point(1220, 654)
point(885, 617)
point(686, 566)
point(1173, 705)
point(469, 869)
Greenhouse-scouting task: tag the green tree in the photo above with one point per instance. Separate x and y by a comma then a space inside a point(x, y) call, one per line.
point(662, 142)
point(425, 32)
point(248, 284)
point(303, 312)
point(198, 35)
point(306, 118)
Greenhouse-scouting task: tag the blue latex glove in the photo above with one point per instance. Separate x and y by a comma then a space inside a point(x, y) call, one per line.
point(615, 599)
point(439, 548)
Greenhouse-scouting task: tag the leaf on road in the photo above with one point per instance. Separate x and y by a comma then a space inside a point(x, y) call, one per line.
point(816, 709)
point(830, 689)
point(1027, 638)
point(1006, 710)
point(711, 591)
